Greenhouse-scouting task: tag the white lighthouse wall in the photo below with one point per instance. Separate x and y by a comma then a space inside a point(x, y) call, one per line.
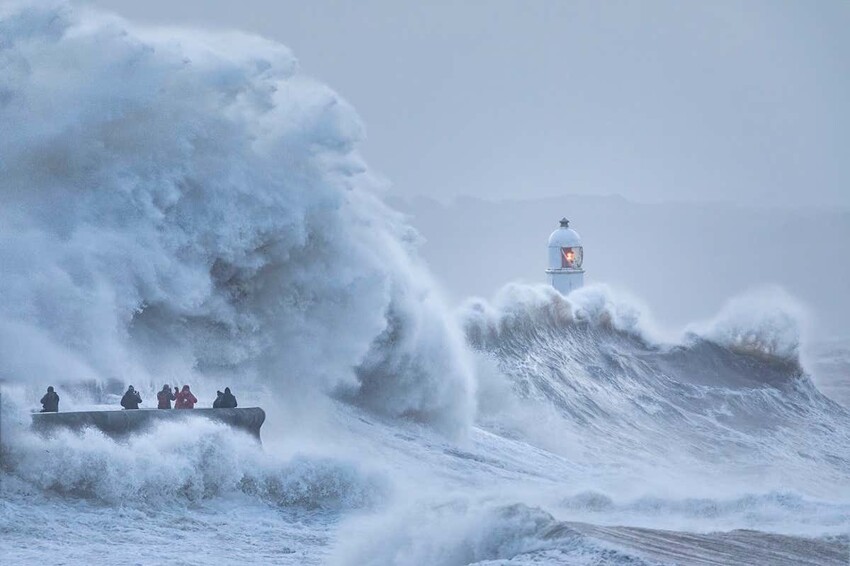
point(567, 281)
point(554, 257)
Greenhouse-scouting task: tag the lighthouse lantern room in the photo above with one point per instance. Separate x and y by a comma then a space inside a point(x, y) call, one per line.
point(565, 259)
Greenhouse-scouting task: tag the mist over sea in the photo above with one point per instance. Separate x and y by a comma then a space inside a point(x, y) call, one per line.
point(186, 206)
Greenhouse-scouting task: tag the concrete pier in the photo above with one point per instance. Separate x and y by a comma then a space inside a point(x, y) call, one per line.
point(121, 423)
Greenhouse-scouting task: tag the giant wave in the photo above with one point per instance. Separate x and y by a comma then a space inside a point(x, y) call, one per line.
point(172, 208)
point(730, 397)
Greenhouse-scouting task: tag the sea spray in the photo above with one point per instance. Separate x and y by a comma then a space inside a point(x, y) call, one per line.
point(169, 207)
point(588, 376)
point(185, 206)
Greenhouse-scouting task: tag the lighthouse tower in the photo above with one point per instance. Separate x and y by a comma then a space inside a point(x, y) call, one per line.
point(565, 258)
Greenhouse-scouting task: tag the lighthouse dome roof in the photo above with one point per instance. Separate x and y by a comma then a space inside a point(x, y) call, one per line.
point(564, 237)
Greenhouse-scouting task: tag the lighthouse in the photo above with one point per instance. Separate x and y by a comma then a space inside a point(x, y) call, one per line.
point(565, 259)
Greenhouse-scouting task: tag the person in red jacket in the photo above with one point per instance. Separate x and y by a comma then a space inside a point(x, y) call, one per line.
point(185, 399)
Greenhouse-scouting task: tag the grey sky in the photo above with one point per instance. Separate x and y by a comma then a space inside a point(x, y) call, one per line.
point(743, 101)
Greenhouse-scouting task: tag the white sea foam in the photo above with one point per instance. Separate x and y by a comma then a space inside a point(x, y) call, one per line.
point(457, 533)
point(766, 321)
point(178, 464)
point(587, 378)
point(172, 207)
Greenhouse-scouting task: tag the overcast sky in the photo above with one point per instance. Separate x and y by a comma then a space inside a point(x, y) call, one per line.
point(741, 101)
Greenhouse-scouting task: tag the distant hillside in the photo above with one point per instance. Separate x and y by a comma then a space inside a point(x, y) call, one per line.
point(685, 260)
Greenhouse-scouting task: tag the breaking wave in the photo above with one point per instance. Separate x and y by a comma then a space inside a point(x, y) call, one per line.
point(175, 463)
point(457, 533)
point(171, 208)
point(730, 399)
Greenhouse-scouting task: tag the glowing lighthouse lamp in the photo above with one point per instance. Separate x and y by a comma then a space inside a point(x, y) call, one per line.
point(565, 257)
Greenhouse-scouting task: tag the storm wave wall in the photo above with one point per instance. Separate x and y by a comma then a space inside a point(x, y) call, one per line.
point(171, 209)
point(594, 381)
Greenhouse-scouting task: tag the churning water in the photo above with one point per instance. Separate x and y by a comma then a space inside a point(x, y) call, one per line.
point(185, 207)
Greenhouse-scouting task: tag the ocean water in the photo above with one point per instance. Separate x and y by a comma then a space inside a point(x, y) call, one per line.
point(183, 206)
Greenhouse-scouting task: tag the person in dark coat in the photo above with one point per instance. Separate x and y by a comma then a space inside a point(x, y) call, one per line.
point(228, 401)
point(165, 397)
point(50, 401)
point(217, 402)
point(131, 399)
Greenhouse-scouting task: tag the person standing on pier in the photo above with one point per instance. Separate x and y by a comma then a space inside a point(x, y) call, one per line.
point(131, 399)
point(50, 401)
point(165, 397)
point(185, 399)
point(228, 400)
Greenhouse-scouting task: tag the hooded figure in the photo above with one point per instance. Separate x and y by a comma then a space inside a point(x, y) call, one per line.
point(131, 399)
point(185, 399)
point(165, 397)
point(228, 401)
point(50, 401)
point(217, 402)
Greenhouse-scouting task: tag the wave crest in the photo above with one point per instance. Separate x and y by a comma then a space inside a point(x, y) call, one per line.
point(519, 308)
point(766, 322)
point(456, 533)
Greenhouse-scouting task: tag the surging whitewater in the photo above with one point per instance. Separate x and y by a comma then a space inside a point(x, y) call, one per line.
point(172, 207)
point(185, 207)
